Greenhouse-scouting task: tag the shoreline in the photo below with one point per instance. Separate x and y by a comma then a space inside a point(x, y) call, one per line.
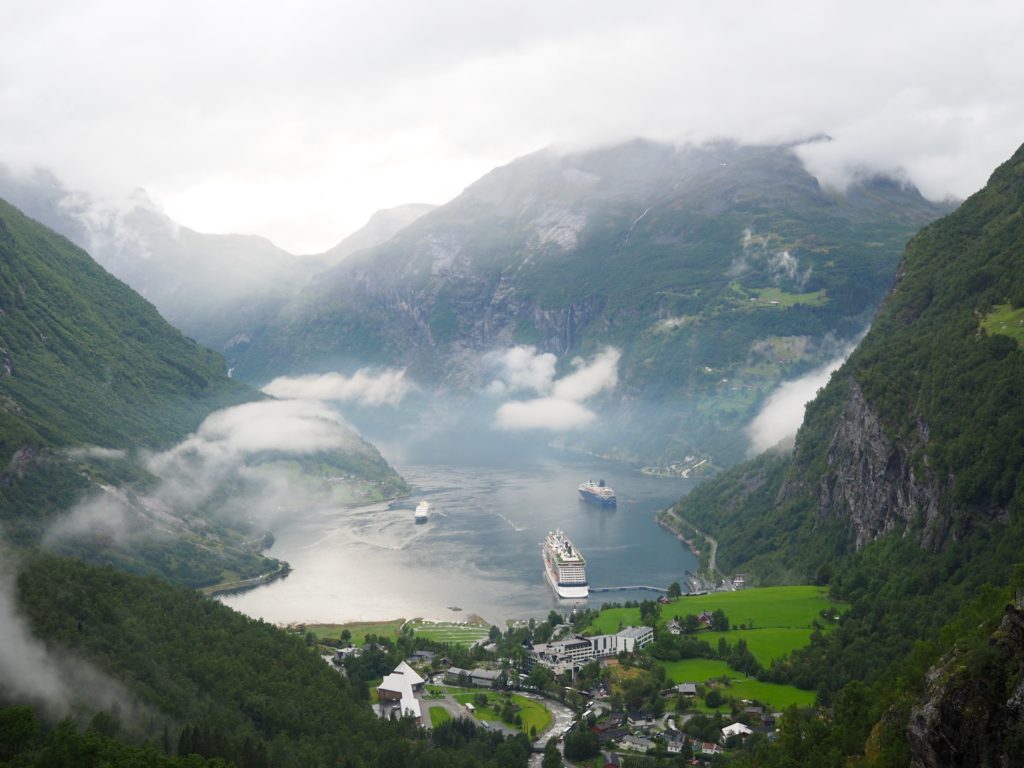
point(709, 579)
point(244, 585)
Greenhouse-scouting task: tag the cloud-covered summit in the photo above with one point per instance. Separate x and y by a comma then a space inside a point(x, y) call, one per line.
point(237, 123)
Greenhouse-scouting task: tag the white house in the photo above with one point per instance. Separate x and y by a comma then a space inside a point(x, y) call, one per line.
point(397, 693)
point(736, 729)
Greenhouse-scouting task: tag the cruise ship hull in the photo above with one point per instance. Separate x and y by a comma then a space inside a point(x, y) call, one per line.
point(564, 567)
point(592, 498)
point(567, 591)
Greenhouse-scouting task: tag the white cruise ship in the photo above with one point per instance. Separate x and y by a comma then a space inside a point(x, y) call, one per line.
point(565, 567)
point(422, 511)
point(597, 493)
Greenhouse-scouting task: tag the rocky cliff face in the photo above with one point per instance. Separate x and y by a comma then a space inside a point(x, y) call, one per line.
point(973, 711)
point(872, 483)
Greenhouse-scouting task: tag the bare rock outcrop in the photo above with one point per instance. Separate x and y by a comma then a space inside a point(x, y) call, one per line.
point(973, 710)
point(873, 483)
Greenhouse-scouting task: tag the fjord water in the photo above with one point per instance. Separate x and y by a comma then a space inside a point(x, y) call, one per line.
point(480, 551)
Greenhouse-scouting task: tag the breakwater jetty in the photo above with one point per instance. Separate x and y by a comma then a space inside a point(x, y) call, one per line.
point(632, 588)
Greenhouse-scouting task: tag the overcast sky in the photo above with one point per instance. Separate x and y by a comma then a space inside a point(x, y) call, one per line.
point(297, 120)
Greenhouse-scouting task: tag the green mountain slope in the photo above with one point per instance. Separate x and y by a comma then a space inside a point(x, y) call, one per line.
point(922, 430)
point(196, 280)
point(906, 488)
point(718, 270)
point(85, 359)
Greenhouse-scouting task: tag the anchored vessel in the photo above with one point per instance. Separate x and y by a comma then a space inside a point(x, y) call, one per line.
point(564, 565)
point(422, 511)
point(597, 493)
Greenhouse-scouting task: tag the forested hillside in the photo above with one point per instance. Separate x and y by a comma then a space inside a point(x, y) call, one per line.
point(84, 361)
point(199, 677)
point(906, 489)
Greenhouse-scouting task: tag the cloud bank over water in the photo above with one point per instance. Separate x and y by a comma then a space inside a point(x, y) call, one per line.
point(559, 406)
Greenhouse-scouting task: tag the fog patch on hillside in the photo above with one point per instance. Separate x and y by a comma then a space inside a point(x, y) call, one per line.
point(783, 411)
point(248, 464)
point(239, 457)
point(364, 387)
point(34, 674)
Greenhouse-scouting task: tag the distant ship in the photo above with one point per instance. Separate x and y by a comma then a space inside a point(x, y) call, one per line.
point(597, 493)
point(422, 511)
point(565, 567)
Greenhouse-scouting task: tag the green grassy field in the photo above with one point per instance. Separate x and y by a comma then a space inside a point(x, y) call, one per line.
point(359, 630)
point(813, 298)
point(1006, 321)
point(696, 670)
point(740, 686)
point(761, 608)
point(766, 644)
point(778, 620)
point(533, 713)
point(450, 632)
point(454, 632)
point(438, 715)
point(611, 620)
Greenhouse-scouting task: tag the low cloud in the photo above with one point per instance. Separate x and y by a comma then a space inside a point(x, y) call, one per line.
point(32, 673)
point(239, 465)
point(783, 412)
point(780, 267)
point(106, 513)
point(363, 387)
point(543, 413)
point(560, 406)
point(784, 266)
point(520, 369)
point(95, 452)
point(229, 445)
point(600, 374)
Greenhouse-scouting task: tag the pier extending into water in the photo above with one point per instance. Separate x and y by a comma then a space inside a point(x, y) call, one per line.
point(636, 587)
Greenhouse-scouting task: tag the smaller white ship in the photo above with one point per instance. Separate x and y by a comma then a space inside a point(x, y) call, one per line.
point(422, 513)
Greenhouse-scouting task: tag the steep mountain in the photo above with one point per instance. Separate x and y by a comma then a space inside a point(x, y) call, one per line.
point(90, 376)
point(905, 493)
point(719, 270)
point(85, 359)
point(971, 711)
point(921, 432)
point(202, 283)
point(382, 226)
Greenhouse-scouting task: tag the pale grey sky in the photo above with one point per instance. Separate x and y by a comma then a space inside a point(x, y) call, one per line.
point(298, 120)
